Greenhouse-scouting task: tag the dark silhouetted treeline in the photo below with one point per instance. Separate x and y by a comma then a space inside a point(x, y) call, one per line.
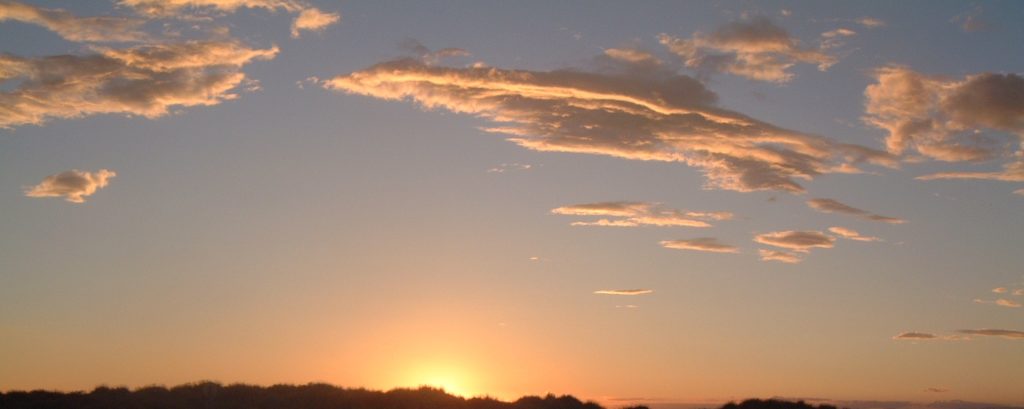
point(210, 395)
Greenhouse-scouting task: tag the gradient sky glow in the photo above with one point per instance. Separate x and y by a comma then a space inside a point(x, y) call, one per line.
point(647, 202)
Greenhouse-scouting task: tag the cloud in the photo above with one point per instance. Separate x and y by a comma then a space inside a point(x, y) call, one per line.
point(636, 114)
point(145, 80)
point(799, 241)
point(73, 185)
point(936, 390)
point(1005, 333)
point(851, 234)
point(634, 214)
point(870, 22)
point(915, 336)
point(633, 56)
point(1019, 291)
point(72, 28)
point(999, 290)
point(637, 291)
point(508, 167)
point(312, 19)
point(309, 18)
point(979, 117)
point(1002, 302)
point(709, 244)
point(834, 38)
point(755, 48)
point(782, 256)
point(835, 206)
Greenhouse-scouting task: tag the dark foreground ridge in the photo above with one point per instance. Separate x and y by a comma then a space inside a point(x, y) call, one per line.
point(210, 395)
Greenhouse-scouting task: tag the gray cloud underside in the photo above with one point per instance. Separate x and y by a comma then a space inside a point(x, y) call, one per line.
point(654, 116)
point(145, 80)
point(71, 27)
point(835, 206)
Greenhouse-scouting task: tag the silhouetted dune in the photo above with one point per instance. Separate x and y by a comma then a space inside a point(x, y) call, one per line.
point(210, 395)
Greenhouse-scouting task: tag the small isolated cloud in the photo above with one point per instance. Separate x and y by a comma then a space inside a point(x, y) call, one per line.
point(708, 244)
point(637, 291)
point(633, 56)
point(1000, 290)
point(915, 336)
point(145, 80)
point(73, 185)
point(835, 206)
point(936, 390)
point(1002, 302)
point(970, 21)
point(509, 167)
point(781, 256)
point(755, 48)
point(1018, 292)
point(628, 306)
point(630, 114)
point(71, 27)
point(1004, 333)
point(834, 38)
point(799, 241)
point(870, 22)
point(634, 214)
point(430, 57)
point(851, 234)
point(312, 19)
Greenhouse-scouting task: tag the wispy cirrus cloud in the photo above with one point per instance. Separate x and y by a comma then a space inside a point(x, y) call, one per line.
point(851, 234)
point(636, 114)
point(74, 28)
point(73, 185)
point(799, 241)
point(145, 80)
point(780, 256)
point(834, 206)
point(634, 214)
point(637, 291)
point(1004, 333)
point(754, 48)
point(706, 244)
point(1002, 302)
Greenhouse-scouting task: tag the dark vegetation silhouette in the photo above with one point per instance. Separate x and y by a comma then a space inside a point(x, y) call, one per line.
point(211, 395)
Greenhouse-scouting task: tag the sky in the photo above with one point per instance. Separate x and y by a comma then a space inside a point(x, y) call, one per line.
point(631, 202)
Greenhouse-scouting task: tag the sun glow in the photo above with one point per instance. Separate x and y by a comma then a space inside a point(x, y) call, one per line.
point(453, 380)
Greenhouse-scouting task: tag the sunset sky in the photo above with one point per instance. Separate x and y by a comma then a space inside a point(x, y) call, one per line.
point(631, 202)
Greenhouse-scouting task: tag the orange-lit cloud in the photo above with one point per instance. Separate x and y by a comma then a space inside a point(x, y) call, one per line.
point(145, 80)
point(936, 390)
point(978, 117)
point(73, 185)
point(799, 241)
point(71, 27)
point(309, 18)
point(634, 214)
point(1005, 333)
point(835, 206)
point(781, 256)
point(637, 291)
point(915, 336)
point(708, 244)
point(1002, 302)
point(851, 234)
point(312, 19)
point(870, 22)
point(999, 290)
point(655, 116)
point(755, 48)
